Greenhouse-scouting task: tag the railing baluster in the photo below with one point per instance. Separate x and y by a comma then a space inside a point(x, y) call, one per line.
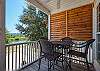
point(8, 57)
point(38, 50)
point(16, 59)
point(27, 53)
point(22, 55)
point(31, 52)
point(19, 55)
point(35, 51)
point(12, 58)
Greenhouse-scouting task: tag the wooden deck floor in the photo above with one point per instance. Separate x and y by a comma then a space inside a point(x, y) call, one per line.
point(75, 67)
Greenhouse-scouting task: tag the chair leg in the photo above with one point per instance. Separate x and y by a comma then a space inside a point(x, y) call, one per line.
point(87, 65)
point(40, 61)
point(45, 59)
point(65, 67)
point(49, 65)
point(53, 63)
point(39, 64)
point(62, 61)
point(70, 67)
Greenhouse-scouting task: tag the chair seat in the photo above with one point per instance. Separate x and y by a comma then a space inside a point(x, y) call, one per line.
point(53, 56)
point(76, 53)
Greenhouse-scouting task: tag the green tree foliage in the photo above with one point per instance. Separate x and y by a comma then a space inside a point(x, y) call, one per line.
point(10, 37)
point(33, 23)
point(7, 36)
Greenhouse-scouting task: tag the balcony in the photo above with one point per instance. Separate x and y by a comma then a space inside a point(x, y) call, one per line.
point(66, 18)
point(24, 57)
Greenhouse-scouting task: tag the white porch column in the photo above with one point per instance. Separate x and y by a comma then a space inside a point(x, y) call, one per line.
point(96, 64)
point(2, 44)
point(49, 27)
point(94, 28)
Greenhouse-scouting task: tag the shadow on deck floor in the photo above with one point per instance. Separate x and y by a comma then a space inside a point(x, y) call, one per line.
point(44, 66)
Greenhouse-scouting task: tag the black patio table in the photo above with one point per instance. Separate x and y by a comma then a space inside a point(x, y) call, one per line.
point(60, 44)
point(64, 48)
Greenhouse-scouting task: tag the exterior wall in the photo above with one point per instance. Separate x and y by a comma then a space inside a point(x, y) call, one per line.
point(71, 23)
point(2, 47)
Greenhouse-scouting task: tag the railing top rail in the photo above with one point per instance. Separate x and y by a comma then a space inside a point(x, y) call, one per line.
point(27, 42)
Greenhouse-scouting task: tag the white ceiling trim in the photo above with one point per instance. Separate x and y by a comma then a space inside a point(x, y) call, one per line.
point(70, 5)
point(38, 5)
point(56, 6)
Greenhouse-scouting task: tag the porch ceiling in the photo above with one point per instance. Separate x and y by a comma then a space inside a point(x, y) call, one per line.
point(54, 6)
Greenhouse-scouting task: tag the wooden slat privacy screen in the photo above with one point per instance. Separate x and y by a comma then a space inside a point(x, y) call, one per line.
point(58, 26)
point(77, 22)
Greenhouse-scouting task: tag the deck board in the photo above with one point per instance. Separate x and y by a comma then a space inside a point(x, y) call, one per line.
point(44, 66)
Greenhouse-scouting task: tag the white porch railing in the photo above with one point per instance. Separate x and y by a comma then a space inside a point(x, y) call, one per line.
point(21, 54)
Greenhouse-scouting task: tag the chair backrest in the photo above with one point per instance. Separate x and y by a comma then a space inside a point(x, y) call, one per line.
point(46, 46)
point(67, 41)
point(88, 43)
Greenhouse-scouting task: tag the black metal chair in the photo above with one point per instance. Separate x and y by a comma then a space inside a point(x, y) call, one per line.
point(84, 54)
point(47, 51)
point(85, 45)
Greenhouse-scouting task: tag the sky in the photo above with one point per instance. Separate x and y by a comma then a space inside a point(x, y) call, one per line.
point(14, 8)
